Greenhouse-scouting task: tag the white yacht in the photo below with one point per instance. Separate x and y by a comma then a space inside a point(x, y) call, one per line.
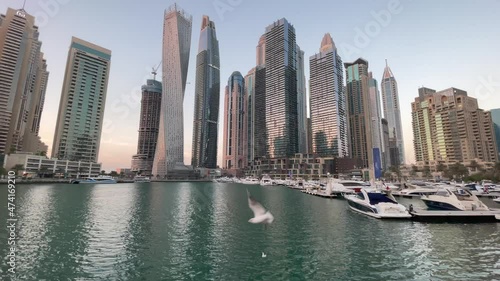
point(348, 186)
point(266, 181)
point(100, 180)
point(497, 199)
point(377, 204)
point(415, 189)
point(141, 179)
point(454, 199)
point(250, 180)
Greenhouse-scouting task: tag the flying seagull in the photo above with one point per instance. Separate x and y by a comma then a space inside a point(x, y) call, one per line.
point(261, 215)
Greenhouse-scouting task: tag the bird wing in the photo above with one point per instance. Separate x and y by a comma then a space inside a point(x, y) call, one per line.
point(256, 207)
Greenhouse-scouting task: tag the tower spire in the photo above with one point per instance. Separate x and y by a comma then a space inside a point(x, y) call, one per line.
point(385, 62)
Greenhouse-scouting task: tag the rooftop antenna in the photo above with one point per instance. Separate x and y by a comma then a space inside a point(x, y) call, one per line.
point(154, 72)
point(24, 4)
point(385, 62)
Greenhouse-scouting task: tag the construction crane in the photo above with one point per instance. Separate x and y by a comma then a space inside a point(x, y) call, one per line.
point(155, 69)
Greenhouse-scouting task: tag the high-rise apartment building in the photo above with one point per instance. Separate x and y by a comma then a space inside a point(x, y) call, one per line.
point(235, 124)
point(392, 112)
point(250, 113)
point(449, 127)
point(301, 103)
point(206, 109)
point(149, 123)
point(260, 148)
point(327, 102)
point(83, 98)
point(23, 83)
point(175, 52)
point(359, 114)
point(376, 125)
point(281, 89)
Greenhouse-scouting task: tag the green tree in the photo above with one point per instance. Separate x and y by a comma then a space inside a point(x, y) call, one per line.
point(441, 167)
point(103, 172)
point(113, 173)
point(17, 168)
point(427, 171)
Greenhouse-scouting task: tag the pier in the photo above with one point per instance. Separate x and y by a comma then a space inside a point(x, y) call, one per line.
point(456, 216)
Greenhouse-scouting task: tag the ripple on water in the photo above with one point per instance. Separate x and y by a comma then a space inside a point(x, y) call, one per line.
point(200, 231)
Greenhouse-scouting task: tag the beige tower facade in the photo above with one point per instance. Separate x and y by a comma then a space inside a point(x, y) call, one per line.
point(23, 83)
point(83, 98)
point(449, 127)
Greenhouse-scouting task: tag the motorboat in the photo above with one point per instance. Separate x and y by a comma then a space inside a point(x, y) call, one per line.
point(142, 179)
point(348, 186)
point(415, 189)
point(97, 180)
point(250, 180)
point(377, 204)
point(497, 199)
point(266, 181)
point(454, 199)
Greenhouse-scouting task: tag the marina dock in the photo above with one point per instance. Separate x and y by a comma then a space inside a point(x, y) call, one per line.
point(456, 216)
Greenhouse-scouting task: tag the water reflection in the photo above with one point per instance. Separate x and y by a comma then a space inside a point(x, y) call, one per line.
point(199, 231)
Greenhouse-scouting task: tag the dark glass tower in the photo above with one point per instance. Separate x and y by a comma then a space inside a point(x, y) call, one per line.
point(207, 91)
point(281, 89)
point(149, 124)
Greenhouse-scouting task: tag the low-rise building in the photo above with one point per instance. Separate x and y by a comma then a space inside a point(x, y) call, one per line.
point(41, 165)
point(307, 166)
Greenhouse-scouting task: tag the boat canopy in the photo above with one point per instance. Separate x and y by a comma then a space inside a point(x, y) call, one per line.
point(376, 198)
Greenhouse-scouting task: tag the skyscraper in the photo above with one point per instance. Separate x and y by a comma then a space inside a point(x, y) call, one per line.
point(148, 127)
point(301, 103)
point(392, 112)
point(175, 53)
point(206, 109)
point(235, 124)
point(23, 83)
point(281, 89)
point(260, 148)
point(449, 127)
point(359, 115)
point(81, 108)
point(250, 113)
point(327, 102)
point(376, 125)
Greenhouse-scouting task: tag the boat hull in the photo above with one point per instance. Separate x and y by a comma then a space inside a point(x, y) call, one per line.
point(373, 212)
point(436, 205)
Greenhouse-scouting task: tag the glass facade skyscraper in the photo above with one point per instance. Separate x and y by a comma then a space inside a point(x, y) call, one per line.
point(281, 89)
point(250, 113)
point(81, 109)
point(327, 102)
point(206, 109)
point(392, 112)
point(301, 103)
point(235, 123)
point(176, 48)
point(359, 115)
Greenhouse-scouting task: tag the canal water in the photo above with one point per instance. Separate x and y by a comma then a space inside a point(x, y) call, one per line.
point(200, 231)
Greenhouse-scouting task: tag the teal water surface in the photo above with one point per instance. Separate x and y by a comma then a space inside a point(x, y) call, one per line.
point(200, 231)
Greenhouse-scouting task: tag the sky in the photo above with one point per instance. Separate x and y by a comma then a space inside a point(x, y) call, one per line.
point(436, 44)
